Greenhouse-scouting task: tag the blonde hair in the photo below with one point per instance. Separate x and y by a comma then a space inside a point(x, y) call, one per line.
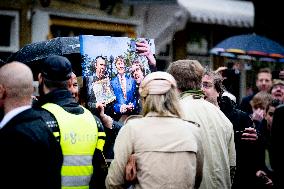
point(163, 104)
point(261, 100)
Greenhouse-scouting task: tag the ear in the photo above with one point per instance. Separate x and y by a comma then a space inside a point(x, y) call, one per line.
point(69, 83)
point(2, 91)
point(39, 77)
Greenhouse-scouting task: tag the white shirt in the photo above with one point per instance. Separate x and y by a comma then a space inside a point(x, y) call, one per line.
point(122, 81)
point(12, 114)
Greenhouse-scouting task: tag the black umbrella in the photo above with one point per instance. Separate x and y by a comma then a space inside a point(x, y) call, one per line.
point(40, 50)
point(33, 54)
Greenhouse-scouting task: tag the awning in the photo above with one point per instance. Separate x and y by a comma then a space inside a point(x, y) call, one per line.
point(222, 12)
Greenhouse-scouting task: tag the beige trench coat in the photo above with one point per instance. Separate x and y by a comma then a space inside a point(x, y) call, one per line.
point(168, 153)
point(217, 138)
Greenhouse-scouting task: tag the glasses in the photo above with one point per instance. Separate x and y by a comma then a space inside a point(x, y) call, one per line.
point(206, 85)
point(271, 113)
point(278, 86)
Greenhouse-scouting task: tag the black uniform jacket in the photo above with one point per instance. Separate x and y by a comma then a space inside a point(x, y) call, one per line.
point(30, 156)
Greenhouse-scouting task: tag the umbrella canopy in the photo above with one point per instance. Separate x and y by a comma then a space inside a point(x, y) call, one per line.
point(34, 53)
point(250, 44)
point(40, 50)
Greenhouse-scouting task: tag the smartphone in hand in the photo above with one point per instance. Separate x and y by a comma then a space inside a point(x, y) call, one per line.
point(132, 45)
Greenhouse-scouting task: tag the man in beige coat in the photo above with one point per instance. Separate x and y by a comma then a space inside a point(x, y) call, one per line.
point(216, 130)
point(167, 149)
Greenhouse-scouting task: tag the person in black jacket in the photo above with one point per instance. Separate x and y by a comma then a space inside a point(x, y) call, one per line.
point(263, 83)
point(30, 155)
point(245, 135)
point(277, 157)
point(248, 145)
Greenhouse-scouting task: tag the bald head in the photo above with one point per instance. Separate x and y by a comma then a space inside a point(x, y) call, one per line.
point(16, 81)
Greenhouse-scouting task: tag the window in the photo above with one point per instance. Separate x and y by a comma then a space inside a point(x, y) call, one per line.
point(9, 31)
point(60, 26)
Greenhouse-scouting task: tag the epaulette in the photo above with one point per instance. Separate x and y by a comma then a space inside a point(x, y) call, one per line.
point(194, 123)
point(132, 117)
point(197, 96)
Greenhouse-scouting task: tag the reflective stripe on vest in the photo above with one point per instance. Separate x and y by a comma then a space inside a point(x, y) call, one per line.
point(101, 141)
point(78, 139)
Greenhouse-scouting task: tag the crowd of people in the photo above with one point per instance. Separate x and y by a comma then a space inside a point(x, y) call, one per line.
point(252, 120)
point(188, 133)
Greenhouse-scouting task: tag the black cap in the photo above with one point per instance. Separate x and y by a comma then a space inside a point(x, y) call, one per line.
point(56, 68)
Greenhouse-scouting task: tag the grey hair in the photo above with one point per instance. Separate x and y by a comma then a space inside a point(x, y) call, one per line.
point(217, 80)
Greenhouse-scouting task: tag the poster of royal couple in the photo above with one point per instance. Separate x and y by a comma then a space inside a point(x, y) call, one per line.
point(112, 70)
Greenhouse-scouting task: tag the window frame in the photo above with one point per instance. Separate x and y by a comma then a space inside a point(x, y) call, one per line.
point(14, 31)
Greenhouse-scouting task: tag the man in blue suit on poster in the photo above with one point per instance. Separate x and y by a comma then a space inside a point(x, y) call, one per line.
point(124, 88)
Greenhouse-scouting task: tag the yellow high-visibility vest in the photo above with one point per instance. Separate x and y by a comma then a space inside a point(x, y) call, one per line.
point(79, 137)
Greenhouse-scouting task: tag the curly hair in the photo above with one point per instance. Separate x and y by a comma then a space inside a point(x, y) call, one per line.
point(137, 62)
point(217, 80)
point(120, 57)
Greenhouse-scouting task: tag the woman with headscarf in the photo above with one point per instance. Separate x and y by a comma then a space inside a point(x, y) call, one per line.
point(167, 150)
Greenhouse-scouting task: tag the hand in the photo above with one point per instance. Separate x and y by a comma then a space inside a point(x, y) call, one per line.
point(143, 48)
point(258, 115)
point(249, 134)
point(130, 106)
point(106, 120)
point(100, 105)
point(263, 176)
point(34, 98)
point(130, 169)
point(221, 68)
point(123, 108)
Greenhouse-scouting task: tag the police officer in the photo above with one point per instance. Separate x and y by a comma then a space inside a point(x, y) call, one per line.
point(80, 134)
